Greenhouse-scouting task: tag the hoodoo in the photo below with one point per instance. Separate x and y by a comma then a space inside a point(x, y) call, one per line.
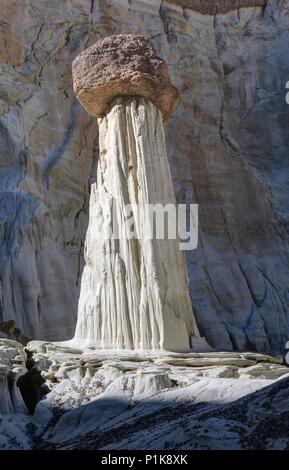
point(134, 290)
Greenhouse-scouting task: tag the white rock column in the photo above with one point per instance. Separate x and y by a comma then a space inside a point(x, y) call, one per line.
point(134, 292)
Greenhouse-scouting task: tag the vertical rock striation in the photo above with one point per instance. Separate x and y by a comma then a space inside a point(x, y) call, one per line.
point(46, 148)
point(134, 291)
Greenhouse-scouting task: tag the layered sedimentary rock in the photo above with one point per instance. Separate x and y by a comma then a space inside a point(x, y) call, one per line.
point(227, 143)
point(46, 147)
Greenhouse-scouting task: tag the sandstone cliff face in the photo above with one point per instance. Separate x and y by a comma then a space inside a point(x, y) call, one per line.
point(46, 157)
point(227, 143)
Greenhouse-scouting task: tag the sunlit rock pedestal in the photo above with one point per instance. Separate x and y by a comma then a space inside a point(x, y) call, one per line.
point(134, 292)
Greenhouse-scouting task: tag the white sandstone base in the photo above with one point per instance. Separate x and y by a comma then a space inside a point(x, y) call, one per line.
point(134, 292)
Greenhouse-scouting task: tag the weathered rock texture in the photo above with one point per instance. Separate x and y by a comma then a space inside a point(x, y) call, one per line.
point(131, 400)
point(12, 366)
point(227, 142)
point(212, 7)
point(46, 148)
point(134, 291)
point(122, 65)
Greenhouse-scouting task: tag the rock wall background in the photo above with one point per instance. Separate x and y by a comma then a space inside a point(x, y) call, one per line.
point(227, 142)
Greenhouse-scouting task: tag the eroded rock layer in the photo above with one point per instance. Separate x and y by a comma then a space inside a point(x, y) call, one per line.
point(146, 400)
point(134, 290)
point(152, 400)
point(12, 367)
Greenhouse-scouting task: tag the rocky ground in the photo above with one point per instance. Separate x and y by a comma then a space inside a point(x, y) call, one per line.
point(126, 400)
